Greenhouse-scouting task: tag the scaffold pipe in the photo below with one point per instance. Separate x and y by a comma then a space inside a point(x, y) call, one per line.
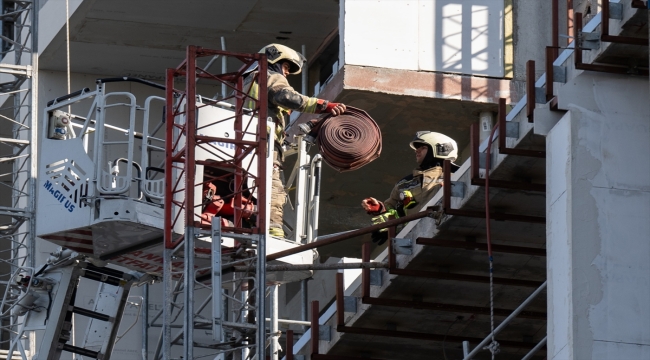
point(351, 234)
point(505, 322)
point(303, 267)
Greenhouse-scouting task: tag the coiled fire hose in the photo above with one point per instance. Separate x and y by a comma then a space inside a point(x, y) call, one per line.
point(349, 141)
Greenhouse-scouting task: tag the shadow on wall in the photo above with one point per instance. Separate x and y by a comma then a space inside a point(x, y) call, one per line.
point(468, 38)
point(451, 36)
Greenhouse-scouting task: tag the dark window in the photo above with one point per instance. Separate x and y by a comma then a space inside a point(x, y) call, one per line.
point(8, 27)
point(327, 59)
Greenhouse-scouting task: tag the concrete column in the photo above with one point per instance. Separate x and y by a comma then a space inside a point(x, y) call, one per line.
point(598, 220)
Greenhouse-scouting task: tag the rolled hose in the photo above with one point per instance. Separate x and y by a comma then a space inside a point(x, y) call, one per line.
point(349, 141)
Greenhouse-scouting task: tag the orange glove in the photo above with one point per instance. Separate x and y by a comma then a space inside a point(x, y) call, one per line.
point(335, 109)
point(372, 206)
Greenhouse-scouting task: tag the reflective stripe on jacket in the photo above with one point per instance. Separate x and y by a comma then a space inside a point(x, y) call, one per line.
point(282, 98)
point(421, 184)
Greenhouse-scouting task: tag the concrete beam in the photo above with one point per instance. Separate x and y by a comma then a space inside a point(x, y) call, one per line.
point(428, 84)
point(479, 246)
point(464, 277)
point(450, 308)
point(430, 337)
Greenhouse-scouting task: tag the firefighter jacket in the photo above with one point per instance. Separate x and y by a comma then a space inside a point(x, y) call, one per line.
point(282, 98)
point(422, 185)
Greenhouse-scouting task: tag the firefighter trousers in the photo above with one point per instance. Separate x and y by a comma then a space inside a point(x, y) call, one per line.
point(278, 199)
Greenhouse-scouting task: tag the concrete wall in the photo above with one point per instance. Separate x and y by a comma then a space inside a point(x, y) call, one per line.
point(598, 216)
point(531, 34)
point(430, 35)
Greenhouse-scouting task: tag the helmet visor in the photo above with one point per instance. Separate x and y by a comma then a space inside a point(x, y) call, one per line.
point(443, 149)
point(418, 140)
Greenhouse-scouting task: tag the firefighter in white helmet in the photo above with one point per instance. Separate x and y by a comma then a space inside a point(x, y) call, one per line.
point(282, 99)
point(416, 189)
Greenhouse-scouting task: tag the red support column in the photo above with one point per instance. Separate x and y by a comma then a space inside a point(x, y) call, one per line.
point(549, 72)
point(392, 260)
point(365, 273)
point(340, 308)
point(169, 126)
point(289, 345)
point(314, 327)
point(190, 134)
point(530, 89)
point(239, 136)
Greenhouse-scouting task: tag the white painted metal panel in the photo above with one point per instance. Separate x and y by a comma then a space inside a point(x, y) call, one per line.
point(381, 33)
point(458, 36)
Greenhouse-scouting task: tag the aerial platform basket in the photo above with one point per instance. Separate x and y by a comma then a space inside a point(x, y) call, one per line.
point(101, 179)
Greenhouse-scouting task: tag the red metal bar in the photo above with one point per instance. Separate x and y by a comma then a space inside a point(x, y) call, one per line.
point(350, 234)
point(190, 133)
point(474, 162)
point(239, 136)
point(446, 203)
point(501, 118)
point(314, 327)
point(289, 345)
point(340, 309)
point(365, 273)
point(499, 216)
point(507, 249)
point(577, 56)
point(467, 278)
point(169, 123)
point(550, 57)
point(474, 143)
point(530, 90)
point(392, 259)
point(428, 337)
point(446, 190)
point(450, 308)
point(604, 33)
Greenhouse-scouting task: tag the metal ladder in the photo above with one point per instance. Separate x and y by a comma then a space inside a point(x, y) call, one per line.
point(57, 333)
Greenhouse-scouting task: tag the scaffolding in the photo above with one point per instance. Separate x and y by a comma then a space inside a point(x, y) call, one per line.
point(18, 91)
point(243, 333)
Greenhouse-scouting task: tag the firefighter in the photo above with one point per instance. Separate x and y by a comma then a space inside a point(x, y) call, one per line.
point(416, 189)
point(282, 99)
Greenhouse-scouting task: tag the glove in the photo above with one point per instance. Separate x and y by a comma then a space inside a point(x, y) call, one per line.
point(324, 106)
point(335, 108)
point(379, 237)
point(372, 206)
point(380, 219)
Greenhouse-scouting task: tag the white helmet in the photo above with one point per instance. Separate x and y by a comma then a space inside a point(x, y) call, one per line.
point(443, 146)
point(277, 52)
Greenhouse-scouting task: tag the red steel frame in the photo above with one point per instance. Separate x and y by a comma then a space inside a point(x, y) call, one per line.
point(577, 55)
point(182, 140)
point(604, 27)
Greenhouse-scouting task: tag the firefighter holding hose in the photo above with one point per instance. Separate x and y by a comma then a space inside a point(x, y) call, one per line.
point(417, 188)
point(282, 99)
